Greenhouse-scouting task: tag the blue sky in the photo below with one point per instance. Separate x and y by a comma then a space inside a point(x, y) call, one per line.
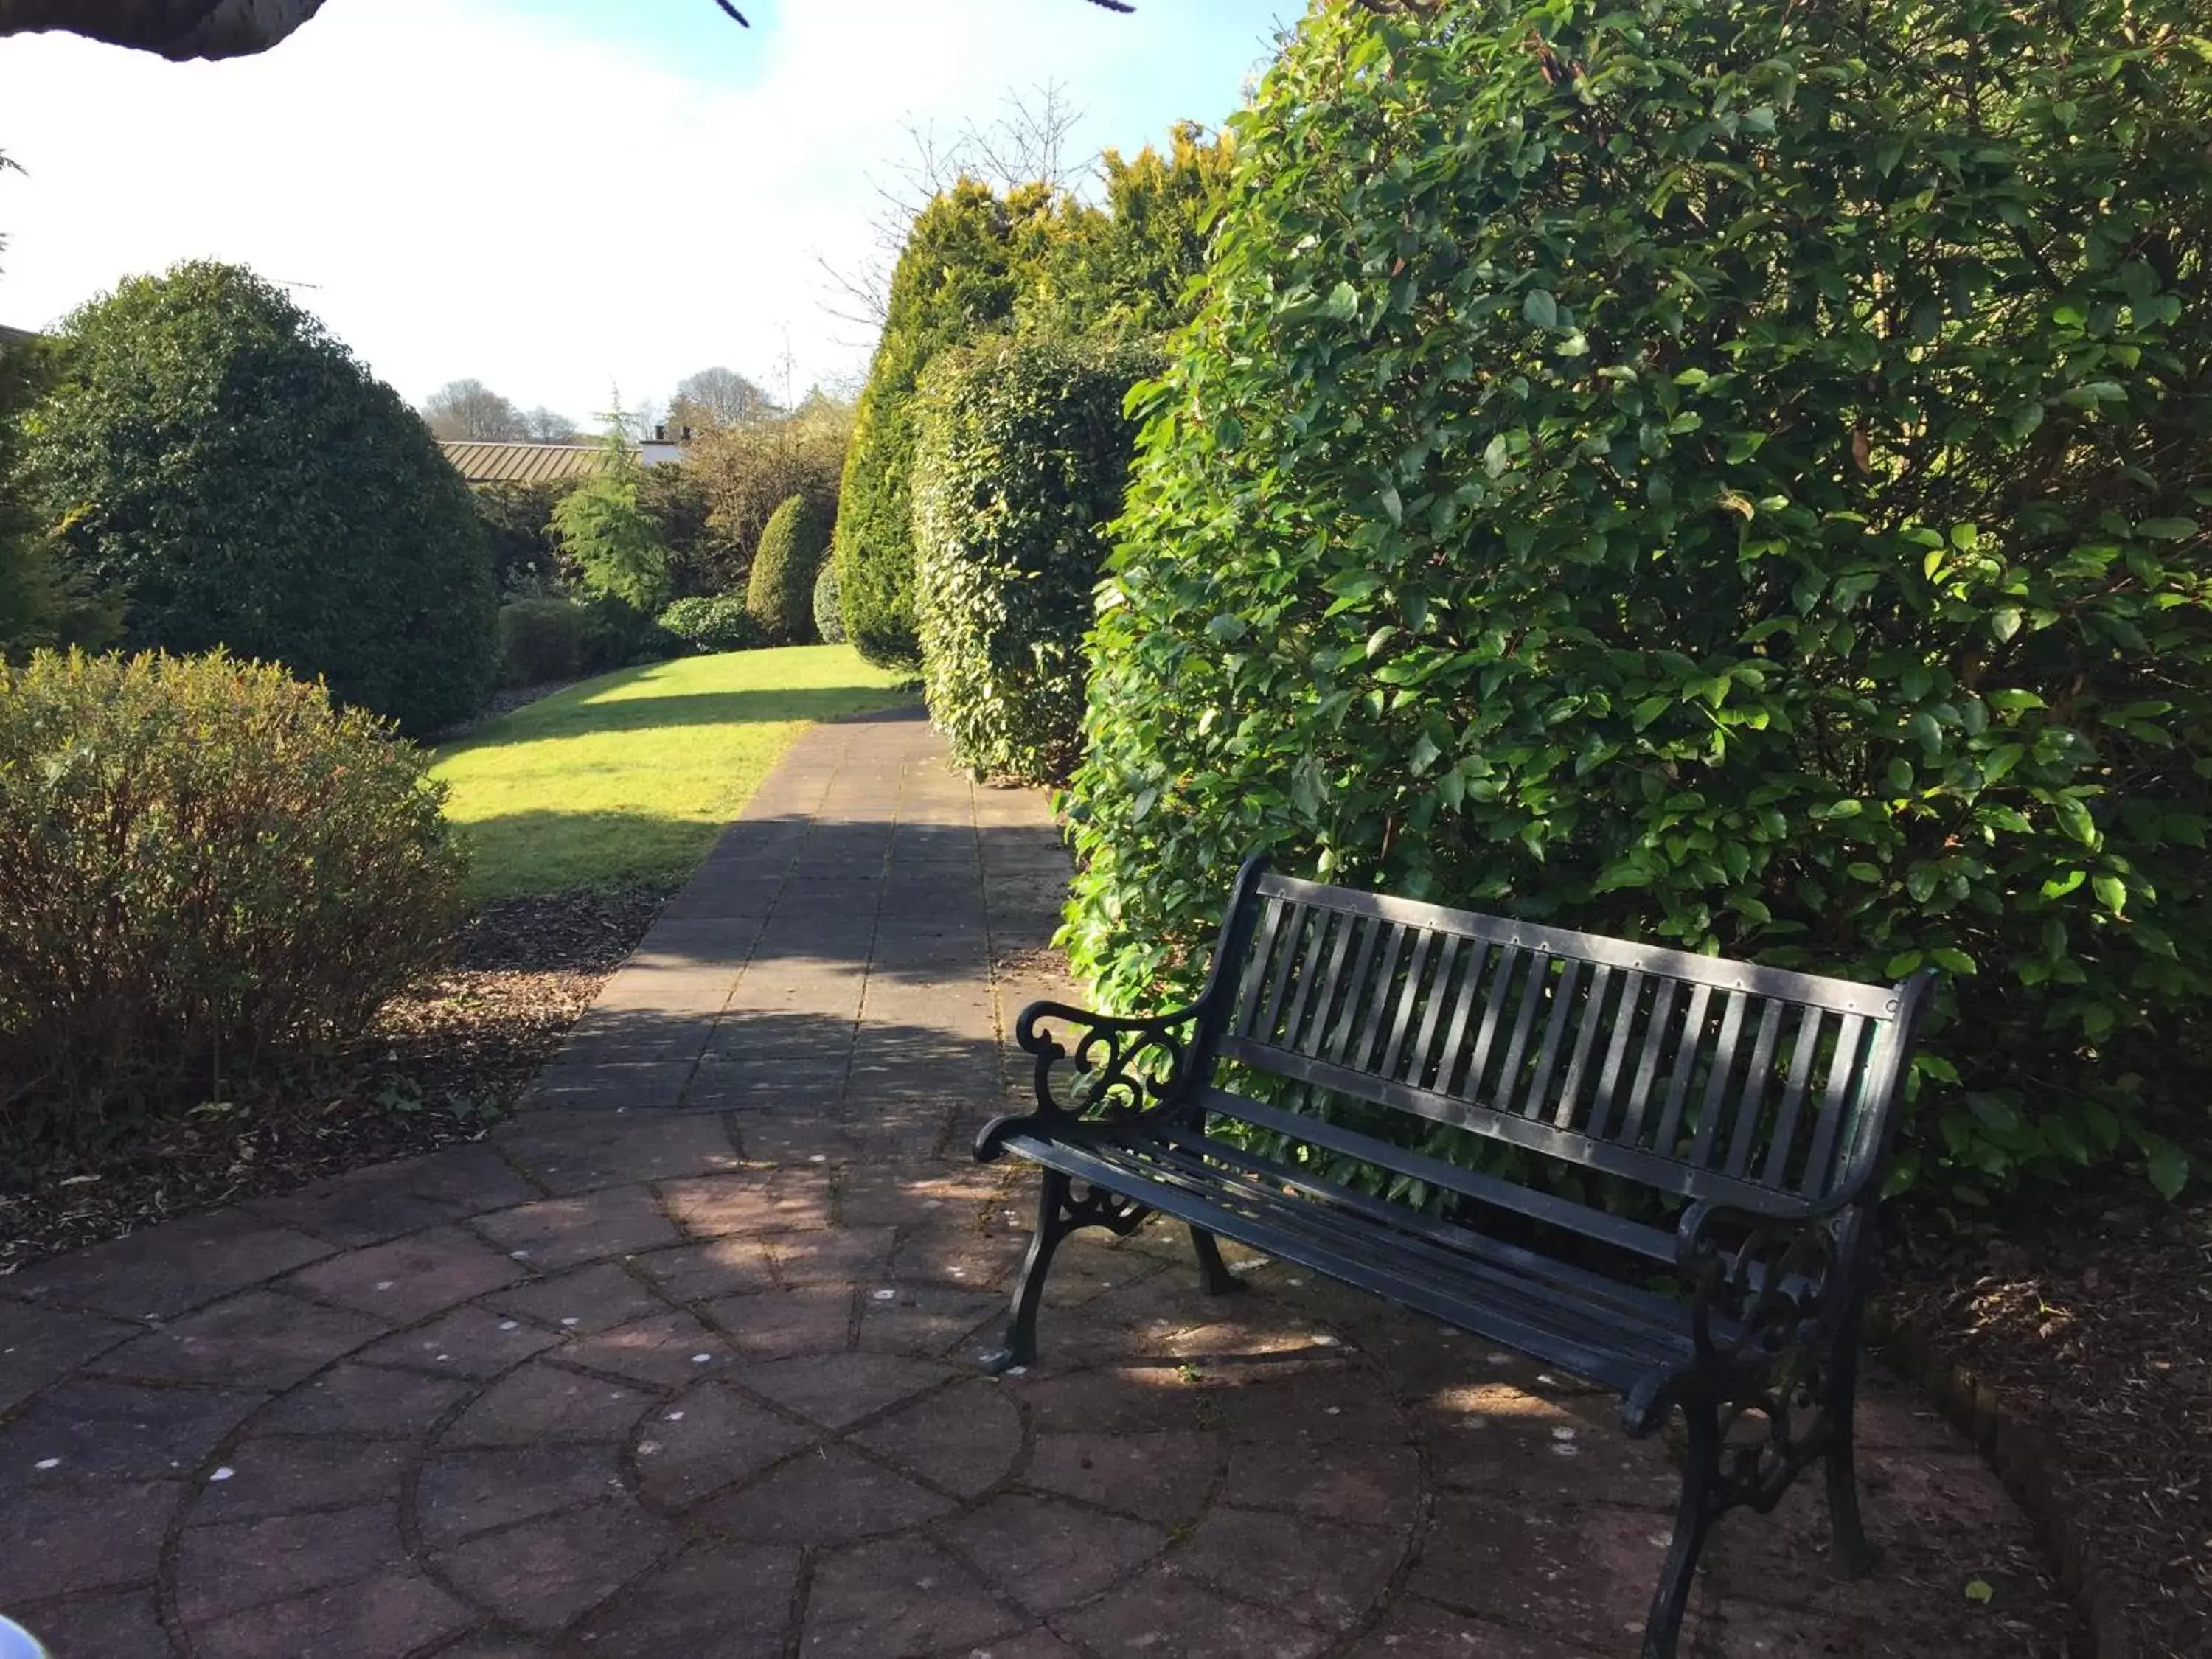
point(557, 196)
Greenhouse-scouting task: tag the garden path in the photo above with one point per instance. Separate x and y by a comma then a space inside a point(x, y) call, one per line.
point(681, 1361)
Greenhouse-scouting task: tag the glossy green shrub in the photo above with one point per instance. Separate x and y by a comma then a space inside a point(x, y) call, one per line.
point(209, 873)
point(1716, 472)
point(828, 616)
point(780, 593)
point(720, 623)
point(559, 638)
point(208, 454)
point(1024, 458)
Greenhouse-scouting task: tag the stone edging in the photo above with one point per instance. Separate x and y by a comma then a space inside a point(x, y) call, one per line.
point(2020, 1456)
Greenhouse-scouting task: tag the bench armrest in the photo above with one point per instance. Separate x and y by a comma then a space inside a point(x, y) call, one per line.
point(1110, 1066)
point(1771, 1281)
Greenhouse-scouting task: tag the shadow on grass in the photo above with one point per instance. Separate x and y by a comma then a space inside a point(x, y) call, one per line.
point(588, 715)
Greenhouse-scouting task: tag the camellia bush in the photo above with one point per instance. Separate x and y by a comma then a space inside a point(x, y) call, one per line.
point(211, 872)
point(1022, 463)
point(720, 623)
point(207, 456)
point(1729, 474)
point(780, 593)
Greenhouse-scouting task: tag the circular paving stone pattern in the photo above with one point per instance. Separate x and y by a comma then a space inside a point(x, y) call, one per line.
point(653, 1400)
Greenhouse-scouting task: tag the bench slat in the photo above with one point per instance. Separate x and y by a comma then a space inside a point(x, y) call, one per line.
point(1533, 986)
point(1686, 1049)
point(1349, 1034)
point(1600, 1117)
point(1842, 1072)
point(1593, 1017)
point(1407, 1000)
point(1257, 959)
point(1793, 1097)
point(1424, 1043)
point(1563, 1003)
point(1342, 928)
point(1548, 1207)
point(1647, 1066)
point(1751, 1104)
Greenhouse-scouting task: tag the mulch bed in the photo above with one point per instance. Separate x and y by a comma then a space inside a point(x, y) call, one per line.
point(2091, 1320)
point(445, 1063)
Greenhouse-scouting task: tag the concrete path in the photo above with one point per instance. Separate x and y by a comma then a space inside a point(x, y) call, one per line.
point(682, 1363)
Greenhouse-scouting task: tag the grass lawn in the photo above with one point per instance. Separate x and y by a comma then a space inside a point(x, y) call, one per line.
point(628, 779)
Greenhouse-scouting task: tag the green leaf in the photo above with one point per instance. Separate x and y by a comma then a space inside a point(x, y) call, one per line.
point(2074, 818)
point(2167, 530)
point(1541, 308)
point(1978, 1590)
point(1423, 756)
point(1342, 304)
point(2004, 622)
point(1392, 505)
point(2112, 892)
point(2166, 1163)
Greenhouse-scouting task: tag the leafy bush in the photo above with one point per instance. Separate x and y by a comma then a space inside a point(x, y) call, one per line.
point(829, 613)
point(1718, 474)
point(519, 534)
point(1024, 457)
point(609, 540)
point(724, 622)
point(675, 496)
point(559, 638)
point(210, 453)
point(781, 591)
point(965, 263)
point(749, 470)
point(210, 871)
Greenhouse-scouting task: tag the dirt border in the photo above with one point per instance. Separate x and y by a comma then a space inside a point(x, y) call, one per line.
point(2020, 1455)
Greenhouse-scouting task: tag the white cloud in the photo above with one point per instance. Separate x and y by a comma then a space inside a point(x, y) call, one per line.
point(460, 188)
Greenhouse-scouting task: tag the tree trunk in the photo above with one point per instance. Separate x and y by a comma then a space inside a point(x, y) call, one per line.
point(175, 28)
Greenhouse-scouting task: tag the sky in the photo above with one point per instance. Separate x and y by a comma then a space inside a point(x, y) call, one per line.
point(563, 198)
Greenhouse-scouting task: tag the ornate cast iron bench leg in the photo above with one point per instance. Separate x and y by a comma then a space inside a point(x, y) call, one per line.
point(1059, 1212)
point(1699, 1506)
point(1850, 1554)
point(1212, 1272)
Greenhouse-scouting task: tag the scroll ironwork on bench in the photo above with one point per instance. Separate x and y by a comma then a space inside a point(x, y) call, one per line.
point(1761, 1098)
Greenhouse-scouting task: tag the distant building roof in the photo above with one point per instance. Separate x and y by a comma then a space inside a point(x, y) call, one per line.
point(14, 335)
point(509, 463)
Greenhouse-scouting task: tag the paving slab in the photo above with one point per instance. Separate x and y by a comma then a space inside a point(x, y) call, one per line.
point(683, 1361)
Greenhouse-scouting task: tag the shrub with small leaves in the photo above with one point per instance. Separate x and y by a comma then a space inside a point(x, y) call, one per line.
point(780, 593)
point(829, 620)
point(1023, 460)
point(1722, 473)
point(720, 623)
point(209, 873)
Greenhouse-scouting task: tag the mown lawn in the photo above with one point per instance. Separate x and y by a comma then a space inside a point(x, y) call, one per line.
point(627, 779)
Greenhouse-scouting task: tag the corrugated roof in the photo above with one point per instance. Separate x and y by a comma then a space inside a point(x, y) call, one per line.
point(11, 335)
point(496, 463)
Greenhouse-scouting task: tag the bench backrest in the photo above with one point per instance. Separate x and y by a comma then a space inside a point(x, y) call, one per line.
point(1693, 1074)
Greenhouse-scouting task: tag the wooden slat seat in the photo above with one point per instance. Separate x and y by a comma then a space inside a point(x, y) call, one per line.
point(1343, 1034)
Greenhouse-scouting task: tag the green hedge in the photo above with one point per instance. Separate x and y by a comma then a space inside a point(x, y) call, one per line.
point(210, 453)
point(965, 265)
point(780, 593)
point(1721, 474)
point(1024, 458)
point(557, 638)
point(210, 874)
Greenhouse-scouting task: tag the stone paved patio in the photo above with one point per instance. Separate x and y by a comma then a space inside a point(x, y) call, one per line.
point(682, 1363)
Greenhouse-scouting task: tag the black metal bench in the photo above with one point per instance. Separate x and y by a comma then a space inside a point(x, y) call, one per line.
point(1759, 1100)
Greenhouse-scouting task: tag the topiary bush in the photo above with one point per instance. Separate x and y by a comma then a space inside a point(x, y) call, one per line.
point(211, 872)
point(779, 593)
point(1023, 460)
point(829, 617)
point(1722, 473)
point(210, 453)
point(966, 262)
point(723, 623)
